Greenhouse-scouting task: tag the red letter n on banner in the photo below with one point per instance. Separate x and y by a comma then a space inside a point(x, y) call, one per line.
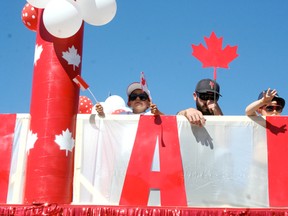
point(140, 178)
point(277, 144)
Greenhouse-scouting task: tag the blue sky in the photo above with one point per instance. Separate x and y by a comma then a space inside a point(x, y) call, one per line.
point(155, 36)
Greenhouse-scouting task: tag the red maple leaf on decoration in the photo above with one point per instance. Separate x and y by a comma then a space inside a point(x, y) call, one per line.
point(214, 55)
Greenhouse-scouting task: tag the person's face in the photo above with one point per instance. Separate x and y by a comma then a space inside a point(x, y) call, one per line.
point(202, 100)
point(271, 109)
point(138, 101)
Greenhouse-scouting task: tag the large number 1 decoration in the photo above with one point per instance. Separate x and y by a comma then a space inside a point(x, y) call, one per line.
point(54, 99)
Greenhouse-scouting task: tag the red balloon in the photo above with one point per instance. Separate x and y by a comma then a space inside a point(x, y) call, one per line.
point(85, 105)
point(119, 111)
point(30, 17)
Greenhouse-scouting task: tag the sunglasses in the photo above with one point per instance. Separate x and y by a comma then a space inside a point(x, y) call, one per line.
point(205, 96)
point(272, 108)
point(142, 96)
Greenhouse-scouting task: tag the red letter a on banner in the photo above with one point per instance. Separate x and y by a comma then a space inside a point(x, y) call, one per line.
point(140, 179)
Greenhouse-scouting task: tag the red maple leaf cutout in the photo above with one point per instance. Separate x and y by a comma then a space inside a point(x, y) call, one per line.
point(214, 55)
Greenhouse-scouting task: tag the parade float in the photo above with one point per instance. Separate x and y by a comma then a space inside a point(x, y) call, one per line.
point(59, 161)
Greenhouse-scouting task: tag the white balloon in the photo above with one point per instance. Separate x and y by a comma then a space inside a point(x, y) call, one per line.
point(62, 18)
point(38, 3)
point(97, 12)
point(114, 102)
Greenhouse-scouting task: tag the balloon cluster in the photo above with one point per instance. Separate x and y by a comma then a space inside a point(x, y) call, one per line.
point(63, 18)
point(114, 104)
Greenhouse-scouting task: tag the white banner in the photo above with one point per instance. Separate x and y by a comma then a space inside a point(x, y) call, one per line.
point(224, 163)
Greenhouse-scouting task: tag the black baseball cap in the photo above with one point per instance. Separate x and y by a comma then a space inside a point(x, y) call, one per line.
point(208, 85)
point(280, 101)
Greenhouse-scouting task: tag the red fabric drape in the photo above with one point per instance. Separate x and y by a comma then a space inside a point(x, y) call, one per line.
point(6, 143)
point(277, 144)
point(69, 210)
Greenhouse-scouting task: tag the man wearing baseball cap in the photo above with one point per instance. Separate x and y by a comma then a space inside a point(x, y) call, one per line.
point(268, 103)
point(206, 96)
